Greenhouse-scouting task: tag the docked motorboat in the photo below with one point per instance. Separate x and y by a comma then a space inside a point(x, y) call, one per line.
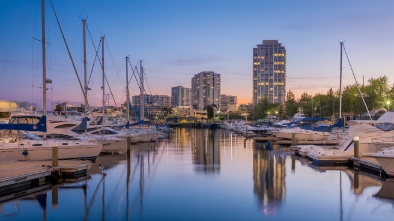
point(28, 147)
point(385, 157)
point(301, 134)
point(65, 129)
point(369, 132)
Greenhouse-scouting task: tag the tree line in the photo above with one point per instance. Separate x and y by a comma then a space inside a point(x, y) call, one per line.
point(377, 93)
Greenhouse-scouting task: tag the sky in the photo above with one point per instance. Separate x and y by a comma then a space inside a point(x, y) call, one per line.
point(176, 39)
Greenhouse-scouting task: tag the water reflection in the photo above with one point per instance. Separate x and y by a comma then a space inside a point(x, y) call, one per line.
point(269, 173)
point(387, 190)
point(158, 181)
point(206, 150)
point(359, 181)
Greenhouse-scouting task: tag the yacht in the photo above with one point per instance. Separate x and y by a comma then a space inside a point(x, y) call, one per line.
point(385, 157)
point(65, 129)
point(20, 145)
point(368, 131)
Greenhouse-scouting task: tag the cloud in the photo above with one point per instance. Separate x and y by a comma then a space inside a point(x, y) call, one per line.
point(194, 60)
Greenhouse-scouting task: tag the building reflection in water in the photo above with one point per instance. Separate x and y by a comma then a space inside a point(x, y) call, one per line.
point(206, 150)
point(269, 177)
point(182, 139)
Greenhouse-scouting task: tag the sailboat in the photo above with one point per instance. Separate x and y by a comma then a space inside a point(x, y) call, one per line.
point(26, 146)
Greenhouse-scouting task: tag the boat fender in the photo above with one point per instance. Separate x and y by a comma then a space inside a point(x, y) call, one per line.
point(25, 152)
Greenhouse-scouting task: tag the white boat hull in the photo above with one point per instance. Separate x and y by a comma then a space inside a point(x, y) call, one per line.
point(15, 152)
point(113, 145)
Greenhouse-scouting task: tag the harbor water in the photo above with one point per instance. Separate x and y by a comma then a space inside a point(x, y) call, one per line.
point(202, 174)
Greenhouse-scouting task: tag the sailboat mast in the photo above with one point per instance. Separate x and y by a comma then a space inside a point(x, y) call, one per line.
point(142, 92)
point(127, 90)
point(102, 66)
point(340, 83)
point(85, 70)
point(84, 66)
point(44, 73)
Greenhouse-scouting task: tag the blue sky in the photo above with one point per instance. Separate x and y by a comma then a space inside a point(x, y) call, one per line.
point(179, 38)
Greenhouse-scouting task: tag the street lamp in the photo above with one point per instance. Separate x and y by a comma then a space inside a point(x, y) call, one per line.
point(388, 105)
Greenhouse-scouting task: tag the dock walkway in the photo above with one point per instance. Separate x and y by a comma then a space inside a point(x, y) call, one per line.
point(19, 177)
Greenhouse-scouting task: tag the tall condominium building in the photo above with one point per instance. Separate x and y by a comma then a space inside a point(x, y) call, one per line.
point(269, 72)
point(180, 96)
point(205, 89)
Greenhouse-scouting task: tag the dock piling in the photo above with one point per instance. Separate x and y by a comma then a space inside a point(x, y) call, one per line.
point(55, 153)
point(356, 181)
point(356, 140)
point(128, 145)
point(55, 196)
point(293, 139)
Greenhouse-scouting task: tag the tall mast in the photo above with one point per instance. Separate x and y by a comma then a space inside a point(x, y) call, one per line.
point(85, 70)
point(102, 66)
point(142, 102)
point(44, 73)
point(340, 83)
point(127, 90)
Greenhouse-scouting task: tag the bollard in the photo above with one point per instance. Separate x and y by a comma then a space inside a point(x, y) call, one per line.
point(356, 141)
point(293, 139)
point(55, 157)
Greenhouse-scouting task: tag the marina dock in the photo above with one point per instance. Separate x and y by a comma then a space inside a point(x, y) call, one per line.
point(20, 178)
point(299, 142)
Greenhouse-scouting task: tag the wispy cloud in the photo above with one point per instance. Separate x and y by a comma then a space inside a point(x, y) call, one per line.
point(194, 60)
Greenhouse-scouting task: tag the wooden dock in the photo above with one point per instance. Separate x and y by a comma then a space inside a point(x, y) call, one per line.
point(22, 177)
point(298, 142)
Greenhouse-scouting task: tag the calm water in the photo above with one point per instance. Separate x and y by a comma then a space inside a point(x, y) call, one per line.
point(210, 175)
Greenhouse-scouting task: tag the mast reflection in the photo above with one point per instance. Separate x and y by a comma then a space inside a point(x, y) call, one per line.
point(206, 150)
point(269, 178)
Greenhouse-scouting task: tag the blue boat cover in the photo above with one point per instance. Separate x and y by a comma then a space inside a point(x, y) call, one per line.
point(128, 125)
point(40, 126)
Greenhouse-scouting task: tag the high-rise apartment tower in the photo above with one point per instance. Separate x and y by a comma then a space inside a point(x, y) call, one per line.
point(269, 72)
point(205, 89)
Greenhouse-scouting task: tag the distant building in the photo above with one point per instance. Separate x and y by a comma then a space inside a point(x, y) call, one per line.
point(269, 72)
point(183, 111)
point(245, 107)
point(180, 96)
point(153, 104)
point(227, 103)
point(205, 89)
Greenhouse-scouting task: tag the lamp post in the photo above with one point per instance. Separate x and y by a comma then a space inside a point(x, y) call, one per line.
point(388, 105)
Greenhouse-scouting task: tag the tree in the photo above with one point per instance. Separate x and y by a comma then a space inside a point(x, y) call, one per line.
point(167, 110)
point(210, 110)
point(291, 106)
point(377, 92)
point(260, 111)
